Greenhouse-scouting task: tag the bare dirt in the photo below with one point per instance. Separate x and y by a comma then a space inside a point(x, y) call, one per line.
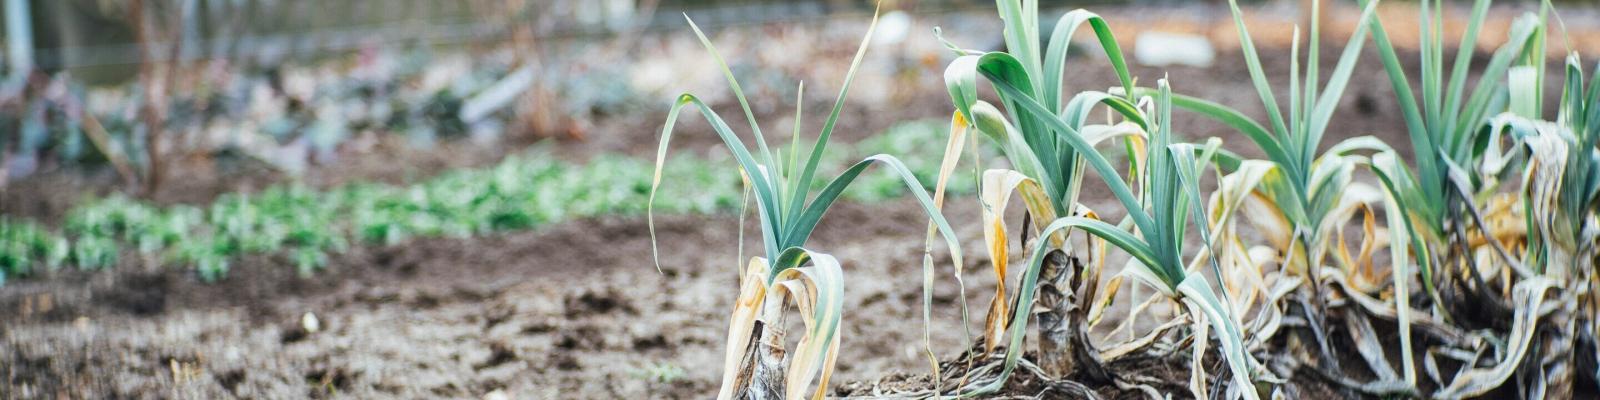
point(574, 311)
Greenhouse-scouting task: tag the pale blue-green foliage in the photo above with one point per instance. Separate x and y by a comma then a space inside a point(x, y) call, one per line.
point(522, 192)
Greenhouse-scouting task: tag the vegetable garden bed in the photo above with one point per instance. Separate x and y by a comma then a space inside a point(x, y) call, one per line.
point(532, 278)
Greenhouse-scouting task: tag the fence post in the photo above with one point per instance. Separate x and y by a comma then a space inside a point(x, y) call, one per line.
point(19, 37)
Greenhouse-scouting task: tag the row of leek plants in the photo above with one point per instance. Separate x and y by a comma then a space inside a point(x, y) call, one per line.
point(1490, 230)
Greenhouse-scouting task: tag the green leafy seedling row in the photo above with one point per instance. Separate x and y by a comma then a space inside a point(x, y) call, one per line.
point(307, 225)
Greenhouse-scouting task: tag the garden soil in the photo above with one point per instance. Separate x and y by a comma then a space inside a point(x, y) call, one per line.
point(574, 311)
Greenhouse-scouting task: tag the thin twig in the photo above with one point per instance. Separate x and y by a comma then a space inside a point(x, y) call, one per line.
point(102, 140)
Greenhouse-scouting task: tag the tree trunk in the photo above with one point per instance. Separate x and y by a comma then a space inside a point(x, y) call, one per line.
point(763, 375)
point(1064, 347)
point(155, 85)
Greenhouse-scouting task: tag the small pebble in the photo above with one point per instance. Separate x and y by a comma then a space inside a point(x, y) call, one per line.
point(497, 394)
point(310, 323)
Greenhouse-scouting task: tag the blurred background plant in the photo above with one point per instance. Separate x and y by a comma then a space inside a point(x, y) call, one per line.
point(306, 225)
point(131, 87)
point(525, 191)
point(134, 92)
point(139, 84)
point(134, 86)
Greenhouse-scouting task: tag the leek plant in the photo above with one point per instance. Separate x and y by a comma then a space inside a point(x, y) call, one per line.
point(1480, 285)
point(788, 212)
point(1048, 168)
point(1431, 207)
point(1306, 193)
point(1570, 236)
point(1567, 230)
point(1169, 177)
point(1049, 142)
point(1564, 180)
point(1446, 125)
point(1560, 186)
point(1303, 201)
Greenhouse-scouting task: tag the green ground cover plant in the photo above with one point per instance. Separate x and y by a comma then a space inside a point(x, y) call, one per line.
point(307, 225)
